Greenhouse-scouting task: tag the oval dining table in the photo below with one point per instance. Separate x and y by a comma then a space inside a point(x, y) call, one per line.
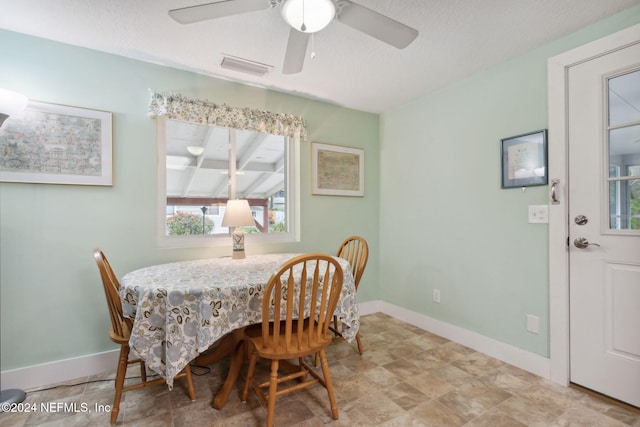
point(196, 310)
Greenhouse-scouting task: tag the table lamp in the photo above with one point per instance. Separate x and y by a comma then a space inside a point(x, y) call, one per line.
point(237, 214)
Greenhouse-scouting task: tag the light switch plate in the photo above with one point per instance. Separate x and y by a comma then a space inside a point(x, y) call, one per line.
point(538, 214)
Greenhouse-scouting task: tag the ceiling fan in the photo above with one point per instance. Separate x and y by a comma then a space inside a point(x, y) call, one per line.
point(306, 17)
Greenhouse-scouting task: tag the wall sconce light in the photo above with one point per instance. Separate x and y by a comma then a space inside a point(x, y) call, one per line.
point(11, 103)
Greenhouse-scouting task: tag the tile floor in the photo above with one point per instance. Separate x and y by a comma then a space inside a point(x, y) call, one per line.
point(406, 377)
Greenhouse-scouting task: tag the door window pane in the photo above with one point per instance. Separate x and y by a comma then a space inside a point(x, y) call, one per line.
point(624, 151)
point(624, 99)
point(634, 200)
point(624, 205)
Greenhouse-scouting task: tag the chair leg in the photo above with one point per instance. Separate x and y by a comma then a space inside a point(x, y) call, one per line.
point(247, 382)
point(273, 388)
point(143, 372)
point(121, 372)
point(359, 343)
point(302, 368)
point(190, 389)
point(328, 384)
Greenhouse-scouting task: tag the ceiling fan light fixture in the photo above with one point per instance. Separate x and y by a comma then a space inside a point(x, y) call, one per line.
point(308, 16)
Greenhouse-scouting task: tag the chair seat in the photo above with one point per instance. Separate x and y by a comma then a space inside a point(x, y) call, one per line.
point(301, 345)
point(123, 337)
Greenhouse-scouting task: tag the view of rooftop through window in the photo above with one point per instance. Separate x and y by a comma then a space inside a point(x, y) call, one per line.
point(208, 165)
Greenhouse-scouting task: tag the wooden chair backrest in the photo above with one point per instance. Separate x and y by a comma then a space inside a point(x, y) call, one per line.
point(355, 250)
point(301, 284)
point(111, 287)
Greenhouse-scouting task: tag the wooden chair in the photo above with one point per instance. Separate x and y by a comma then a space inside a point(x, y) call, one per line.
point(355, 250)
point(120, 333)
point(301, 282)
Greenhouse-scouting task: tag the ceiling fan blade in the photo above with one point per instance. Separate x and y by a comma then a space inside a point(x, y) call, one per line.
point(296, 51)
point(202, 12)
point(376, 25)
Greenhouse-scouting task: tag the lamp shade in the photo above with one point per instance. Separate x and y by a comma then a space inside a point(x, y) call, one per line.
point(308, 16)
point(237, 214)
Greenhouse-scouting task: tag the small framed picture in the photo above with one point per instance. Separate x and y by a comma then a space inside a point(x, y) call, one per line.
point(336, 170)
point(57, 144)
point(524, 160)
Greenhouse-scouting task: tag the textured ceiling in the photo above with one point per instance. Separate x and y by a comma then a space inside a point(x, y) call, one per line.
point(457, 38)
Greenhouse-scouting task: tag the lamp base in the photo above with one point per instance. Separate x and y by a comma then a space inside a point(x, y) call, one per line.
point(11, 396)
point(238, 243)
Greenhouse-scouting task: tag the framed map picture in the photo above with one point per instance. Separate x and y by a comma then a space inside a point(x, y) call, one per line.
point(56, 144)
point(336, 170)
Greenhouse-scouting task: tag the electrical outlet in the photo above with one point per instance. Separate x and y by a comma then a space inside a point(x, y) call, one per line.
point(436, 296)
point(533, 324)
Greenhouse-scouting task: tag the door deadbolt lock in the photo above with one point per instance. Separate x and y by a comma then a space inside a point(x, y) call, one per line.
point(581, 220)
point(582, 243)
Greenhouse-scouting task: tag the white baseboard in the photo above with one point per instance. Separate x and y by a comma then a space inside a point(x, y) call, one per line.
point(369, 307)
point(531, 362)
point(33, 377)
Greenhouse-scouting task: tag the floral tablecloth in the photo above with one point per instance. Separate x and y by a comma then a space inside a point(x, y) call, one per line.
point(180, 309)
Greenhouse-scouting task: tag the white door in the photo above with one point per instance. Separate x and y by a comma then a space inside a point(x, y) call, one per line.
point(604, 224)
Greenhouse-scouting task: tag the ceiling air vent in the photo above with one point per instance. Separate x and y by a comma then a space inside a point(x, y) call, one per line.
point(244, 66)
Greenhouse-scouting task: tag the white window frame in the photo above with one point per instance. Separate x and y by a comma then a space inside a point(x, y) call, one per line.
point(292, 186)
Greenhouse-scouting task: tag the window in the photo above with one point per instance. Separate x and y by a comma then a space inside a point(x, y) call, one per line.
point(201, 166)
point(204, 166)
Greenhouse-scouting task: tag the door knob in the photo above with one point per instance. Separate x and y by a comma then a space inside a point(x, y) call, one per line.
point(582, 243)
point(581, 220)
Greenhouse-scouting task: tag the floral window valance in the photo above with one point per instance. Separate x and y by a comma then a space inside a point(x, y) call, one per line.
point(178, 107)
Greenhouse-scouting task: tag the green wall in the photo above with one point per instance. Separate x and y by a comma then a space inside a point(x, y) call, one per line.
point(51, 302)
point(463, 235)
point(433, 212)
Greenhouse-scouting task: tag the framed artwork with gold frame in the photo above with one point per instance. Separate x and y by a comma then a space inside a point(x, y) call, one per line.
point(337, 170)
